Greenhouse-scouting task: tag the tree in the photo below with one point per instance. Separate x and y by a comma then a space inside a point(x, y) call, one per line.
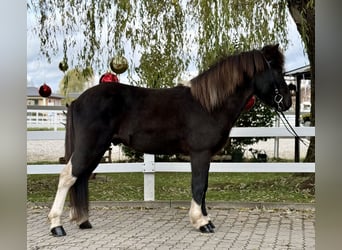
point(184, 35)
point(164, 39)
point(303, 13)
point(74, 81)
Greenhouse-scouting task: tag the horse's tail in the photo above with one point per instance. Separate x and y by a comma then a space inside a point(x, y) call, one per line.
point(79, 191)
point(69, 133)
point(79, 199)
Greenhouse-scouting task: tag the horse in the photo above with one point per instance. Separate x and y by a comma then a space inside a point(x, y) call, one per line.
point(193, 120)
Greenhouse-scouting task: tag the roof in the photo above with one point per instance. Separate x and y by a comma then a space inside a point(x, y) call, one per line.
point(34, 92)
point(304, 70)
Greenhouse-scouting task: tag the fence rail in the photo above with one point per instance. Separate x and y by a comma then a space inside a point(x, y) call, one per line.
point(235, 132)
point(53, 117)
point(149, 167)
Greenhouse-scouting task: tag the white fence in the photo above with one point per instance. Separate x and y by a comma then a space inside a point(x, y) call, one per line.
point(49, 117)
point(53, 117)
point(149, 166)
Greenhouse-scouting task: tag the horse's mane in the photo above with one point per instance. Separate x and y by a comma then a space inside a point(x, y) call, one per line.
point(212, 86)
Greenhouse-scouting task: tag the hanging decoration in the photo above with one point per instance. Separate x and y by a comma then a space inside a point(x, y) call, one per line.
point(109, 77)
point(44, 90)
point(118, 64)
point(63, 66)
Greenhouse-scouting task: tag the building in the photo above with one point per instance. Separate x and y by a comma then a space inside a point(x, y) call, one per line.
point(34, 99)
point(300, 78)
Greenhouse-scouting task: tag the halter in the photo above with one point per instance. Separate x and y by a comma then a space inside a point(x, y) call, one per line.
point(278, 99)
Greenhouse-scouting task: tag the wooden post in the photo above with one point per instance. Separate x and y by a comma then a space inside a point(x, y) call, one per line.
point(297, 119)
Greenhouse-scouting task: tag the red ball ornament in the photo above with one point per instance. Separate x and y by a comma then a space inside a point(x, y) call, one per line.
point(108, 77)
point(45, 90)
point(250, 103)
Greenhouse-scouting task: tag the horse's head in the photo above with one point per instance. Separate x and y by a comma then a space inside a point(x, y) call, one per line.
point(270, 85)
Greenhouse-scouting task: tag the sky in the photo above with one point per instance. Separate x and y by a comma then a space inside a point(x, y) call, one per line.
point(39, 71)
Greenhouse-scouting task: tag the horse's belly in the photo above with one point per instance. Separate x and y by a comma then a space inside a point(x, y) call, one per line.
point(157, 143)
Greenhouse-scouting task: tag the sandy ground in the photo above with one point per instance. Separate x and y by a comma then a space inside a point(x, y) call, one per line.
point(285, 149)
point(51, 150)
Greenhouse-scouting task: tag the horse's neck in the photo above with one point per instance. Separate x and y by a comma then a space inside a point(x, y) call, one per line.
point(234, 105)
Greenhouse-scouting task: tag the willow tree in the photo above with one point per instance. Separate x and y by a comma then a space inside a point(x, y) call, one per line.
point(162, 40)
point(303, 13)
point(74, 81)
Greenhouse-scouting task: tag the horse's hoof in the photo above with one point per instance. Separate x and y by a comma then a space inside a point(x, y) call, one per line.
point(211, 224)
point(58, 231)
point(206, 229)
point(85, 225)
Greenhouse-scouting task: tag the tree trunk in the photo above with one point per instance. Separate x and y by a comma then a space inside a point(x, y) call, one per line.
point(303, 13)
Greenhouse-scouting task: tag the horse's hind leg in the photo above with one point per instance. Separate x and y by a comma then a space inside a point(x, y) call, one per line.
point(200, 163)
point(90, 146)
point(66, 180)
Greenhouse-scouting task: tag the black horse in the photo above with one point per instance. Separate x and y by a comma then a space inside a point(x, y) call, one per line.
point(194, 120)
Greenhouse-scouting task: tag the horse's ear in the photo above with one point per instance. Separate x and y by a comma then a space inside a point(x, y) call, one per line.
point(274, 49)
point(277, 49)
point(267, 52)
point(269, 49)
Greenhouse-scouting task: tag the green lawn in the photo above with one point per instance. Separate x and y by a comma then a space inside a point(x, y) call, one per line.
point(252, 187)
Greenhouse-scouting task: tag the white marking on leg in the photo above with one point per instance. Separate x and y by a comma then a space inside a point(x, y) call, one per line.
point(196, 217)
point(66, 180)
point(207, 218)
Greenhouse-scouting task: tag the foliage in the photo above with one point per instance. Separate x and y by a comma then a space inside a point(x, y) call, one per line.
point(259, 116)
point(306, 117)
point(261, 187)
point(133, 155)
point(161, 39)
point(74, 81)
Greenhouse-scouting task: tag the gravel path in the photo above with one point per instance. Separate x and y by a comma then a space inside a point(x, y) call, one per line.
point(51, 150)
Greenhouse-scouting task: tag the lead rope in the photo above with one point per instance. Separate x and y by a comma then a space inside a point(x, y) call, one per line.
point(289, 128)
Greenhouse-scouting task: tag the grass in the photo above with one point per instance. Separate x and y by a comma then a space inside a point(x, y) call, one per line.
point(251, 187)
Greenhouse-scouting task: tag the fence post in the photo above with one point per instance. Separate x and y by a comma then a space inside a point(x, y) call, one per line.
point(149, 170)
point(276, 139)
point(55, 120)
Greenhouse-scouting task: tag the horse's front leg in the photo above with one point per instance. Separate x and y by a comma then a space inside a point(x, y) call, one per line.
point(198, 215)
